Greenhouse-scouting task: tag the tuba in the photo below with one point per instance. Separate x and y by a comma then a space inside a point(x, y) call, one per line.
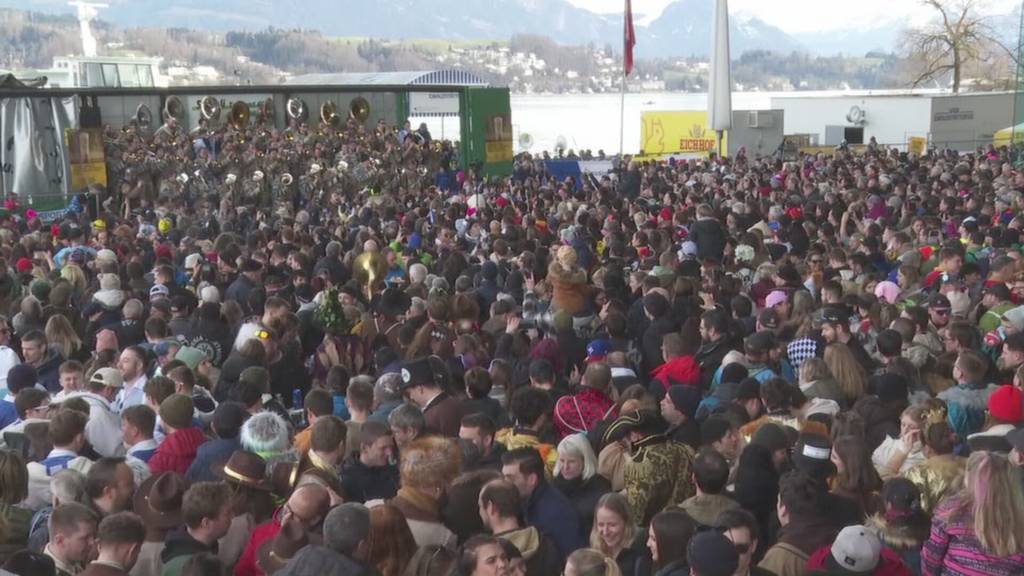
point(239, 116)
point(369, 270)
point(209, 108)
point(144, 117)
point(287, 179)
point(173, 108)
point(297, 109)
point(329, 114)
point(359, 109)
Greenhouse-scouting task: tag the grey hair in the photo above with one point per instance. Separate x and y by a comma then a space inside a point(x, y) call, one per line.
point(132, 309)
point(417, 273)
point(265, 432)
point(346, 526)
point(68, 485)
point(388, 387)
point(405, 416)
point(333, 248)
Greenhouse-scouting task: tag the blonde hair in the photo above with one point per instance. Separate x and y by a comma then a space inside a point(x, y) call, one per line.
point(74, 275)
point(429, 463)
point(814, 369)
point(847, 371)
point(617, 504)
point(995, 498)
point(590, 562)
point(59, 331)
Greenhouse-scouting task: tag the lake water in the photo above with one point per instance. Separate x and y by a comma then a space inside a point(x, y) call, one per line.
point(592, 120)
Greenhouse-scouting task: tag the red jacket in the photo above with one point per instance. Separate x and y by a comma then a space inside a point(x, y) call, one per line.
point(579, 413)
point(679, 370)
point(889, 564)
point(247, 565)
point(177, 451)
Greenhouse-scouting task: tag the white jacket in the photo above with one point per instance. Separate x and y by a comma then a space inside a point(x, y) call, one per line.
point(103, 431)
point(39, 494)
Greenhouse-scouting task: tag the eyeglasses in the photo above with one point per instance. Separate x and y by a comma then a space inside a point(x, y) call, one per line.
point(816, 261)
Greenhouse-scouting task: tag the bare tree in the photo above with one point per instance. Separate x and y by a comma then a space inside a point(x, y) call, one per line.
point(957, 38)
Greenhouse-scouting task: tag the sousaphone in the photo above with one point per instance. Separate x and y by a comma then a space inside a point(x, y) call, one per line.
point(239, 117)
point(173, 108)
point(329, 114)
point(359, 109)
point(296, 109)
point(209, 108)
point(144, 117)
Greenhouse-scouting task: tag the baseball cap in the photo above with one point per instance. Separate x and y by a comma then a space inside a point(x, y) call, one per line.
point(769, 318)
point(835, 315)
point(598, 350)
point(109, 377)
point(856, 550)
point(939, 302)
point(159, 290)
point(1016, 439)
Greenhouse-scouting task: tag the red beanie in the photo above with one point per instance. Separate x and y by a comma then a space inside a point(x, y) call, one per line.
point(1007, 404)
point(23, 265)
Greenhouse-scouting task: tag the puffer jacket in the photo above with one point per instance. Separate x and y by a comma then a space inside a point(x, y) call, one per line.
point(177, 451)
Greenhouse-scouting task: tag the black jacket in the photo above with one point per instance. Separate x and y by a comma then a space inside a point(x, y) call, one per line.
point(709, 235)
point(757, 487)
point(180, 543)
point(583, 496)
point(362, 483)
point(709, 358)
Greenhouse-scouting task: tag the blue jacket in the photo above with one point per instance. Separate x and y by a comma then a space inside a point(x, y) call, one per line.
point(8, 415)
point(553, 515)
point(209, 456)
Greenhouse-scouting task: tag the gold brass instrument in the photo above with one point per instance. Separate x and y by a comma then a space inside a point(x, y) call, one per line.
point(329, 114)
point(173, 108)
point(239, 116)
point(297, 109)
point(144, 117)
point(209, 108)
point(359, 109)
point(369, 270)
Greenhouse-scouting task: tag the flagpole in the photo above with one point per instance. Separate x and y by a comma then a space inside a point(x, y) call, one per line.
point(622, 115)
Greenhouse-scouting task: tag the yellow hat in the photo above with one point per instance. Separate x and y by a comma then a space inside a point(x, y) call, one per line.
point(164, 226)
point(99, 225)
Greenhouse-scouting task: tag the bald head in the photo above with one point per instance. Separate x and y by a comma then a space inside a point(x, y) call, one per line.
point(309, 504)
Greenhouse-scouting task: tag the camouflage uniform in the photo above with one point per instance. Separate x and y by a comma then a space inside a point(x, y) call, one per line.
point(657, 476)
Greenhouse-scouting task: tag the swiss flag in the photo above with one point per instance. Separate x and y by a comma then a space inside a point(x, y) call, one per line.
point(628, 39)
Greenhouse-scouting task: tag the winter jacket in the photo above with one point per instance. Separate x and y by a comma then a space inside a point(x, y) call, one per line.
point(709, 358)
point(177, 452)
point(48, 371)
point(209, 456)
point(443, 416)
point(103, 430)
point(489, 407)
point(679, 370)
point(953, 549)
point(323, 561)
point(179, 547)
point(570, 289)
point(881, 420)
point(710, 237)
point(797, 541)
point(578, 413)
point(246, 565)
point(937, 477)
point(16, 522)
point(583, 495)
point(362, 483)
point(757, 486)
point(705, 508)
point(889, 564)
point(539, 551)
point(827, 388)
point(905, 540)
point(553, 515)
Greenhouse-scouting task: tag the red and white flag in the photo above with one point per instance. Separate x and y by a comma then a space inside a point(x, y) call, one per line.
point(628, 39)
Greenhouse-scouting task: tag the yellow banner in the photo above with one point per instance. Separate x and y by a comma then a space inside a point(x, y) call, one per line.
point(86, 158)
point(916, 144)
point(677, 133)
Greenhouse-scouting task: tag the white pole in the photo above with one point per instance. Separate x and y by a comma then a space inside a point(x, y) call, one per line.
point(622, 116)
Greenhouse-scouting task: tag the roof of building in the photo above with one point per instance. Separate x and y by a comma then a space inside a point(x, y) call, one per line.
point(422, 78)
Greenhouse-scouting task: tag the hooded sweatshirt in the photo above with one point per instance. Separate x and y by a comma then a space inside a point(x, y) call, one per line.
point(177, 451)
point(179, 547)
point(539, 551)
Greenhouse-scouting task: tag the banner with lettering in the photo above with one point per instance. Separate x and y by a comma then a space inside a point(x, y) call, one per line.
point(678, 132)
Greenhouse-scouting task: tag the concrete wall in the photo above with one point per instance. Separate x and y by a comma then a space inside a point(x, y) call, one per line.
point(965, 122)
point(761, 141)
point(890, 119)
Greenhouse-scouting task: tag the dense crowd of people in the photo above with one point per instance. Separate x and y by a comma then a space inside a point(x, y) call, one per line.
point(334, 351)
